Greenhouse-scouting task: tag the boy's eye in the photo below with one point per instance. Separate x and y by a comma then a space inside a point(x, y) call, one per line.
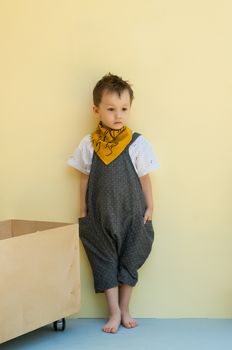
point(124, 109)
point(110, 109)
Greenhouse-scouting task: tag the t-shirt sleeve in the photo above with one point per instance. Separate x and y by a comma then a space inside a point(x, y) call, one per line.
point(81, 159)
point(145, 159)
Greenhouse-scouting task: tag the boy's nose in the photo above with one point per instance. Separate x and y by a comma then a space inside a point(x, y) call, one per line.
point(117, 115)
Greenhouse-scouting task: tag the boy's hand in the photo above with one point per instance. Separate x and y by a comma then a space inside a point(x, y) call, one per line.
point(83, 190)
point(147, 215)
point(147, 190)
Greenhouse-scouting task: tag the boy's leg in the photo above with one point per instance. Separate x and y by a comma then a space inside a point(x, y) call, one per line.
point(115, 314)
point(125, 292)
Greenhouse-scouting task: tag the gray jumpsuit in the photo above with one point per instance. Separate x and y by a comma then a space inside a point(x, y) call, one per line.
point(115, 238)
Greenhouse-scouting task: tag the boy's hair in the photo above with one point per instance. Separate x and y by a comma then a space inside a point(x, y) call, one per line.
point(111, 83)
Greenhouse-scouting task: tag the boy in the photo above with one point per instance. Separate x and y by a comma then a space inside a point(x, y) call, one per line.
point(115, 199)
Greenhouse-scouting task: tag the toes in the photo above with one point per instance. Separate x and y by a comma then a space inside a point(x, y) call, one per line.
point(133, 323)
point(106, 329)
point(130, 324)
point(109, 329)
point(127, 324)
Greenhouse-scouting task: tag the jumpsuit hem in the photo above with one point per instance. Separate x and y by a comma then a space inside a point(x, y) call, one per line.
point(100, 290)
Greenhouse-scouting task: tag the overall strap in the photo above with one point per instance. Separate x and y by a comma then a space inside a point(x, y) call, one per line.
point(135, 135)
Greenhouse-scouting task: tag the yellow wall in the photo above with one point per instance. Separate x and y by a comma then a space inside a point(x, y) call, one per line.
point(178, 56)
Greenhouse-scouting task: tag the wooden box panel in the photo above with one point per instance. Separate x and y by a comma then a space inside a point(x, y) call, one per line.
point(40, 275)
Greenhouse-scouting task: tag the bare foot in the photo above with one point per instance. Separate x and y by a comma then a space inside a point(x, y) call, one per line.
point(113, 324)
point(128, 321)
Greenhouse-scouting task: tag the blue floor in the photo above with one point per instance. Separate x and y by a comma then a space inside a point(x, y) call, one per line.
point(155, 334)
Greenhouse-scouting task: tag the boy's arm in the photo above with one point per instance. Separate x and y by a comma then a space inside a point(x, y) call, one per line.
point(147, 190)
point(83, 188)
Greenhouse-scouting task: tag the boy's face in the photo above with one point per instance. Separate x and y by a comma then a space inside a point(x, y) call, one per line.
point(113, 111)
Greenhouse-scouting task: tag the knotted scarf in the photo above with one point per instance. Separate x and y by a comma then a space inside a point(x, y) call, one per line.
point(110, 143)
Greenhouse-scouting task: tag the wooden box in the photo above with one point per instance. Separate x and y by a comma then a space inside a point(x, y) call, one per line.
point(39, 275)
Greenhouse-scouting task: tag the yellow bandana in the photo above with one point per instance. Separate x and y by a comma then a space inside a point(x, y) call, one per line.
point(109, 143)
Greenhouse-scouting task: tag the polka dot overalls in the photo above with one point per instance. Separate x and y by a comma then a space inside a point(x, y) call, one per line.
point(115, 238)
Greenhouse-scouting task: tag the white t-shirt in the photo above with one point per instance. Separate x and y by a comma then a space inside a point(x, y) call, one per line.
point(140, 151)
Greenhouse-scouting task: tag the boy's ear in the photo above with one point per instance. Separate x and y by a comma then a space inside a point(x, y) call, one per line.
point(95, 110)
